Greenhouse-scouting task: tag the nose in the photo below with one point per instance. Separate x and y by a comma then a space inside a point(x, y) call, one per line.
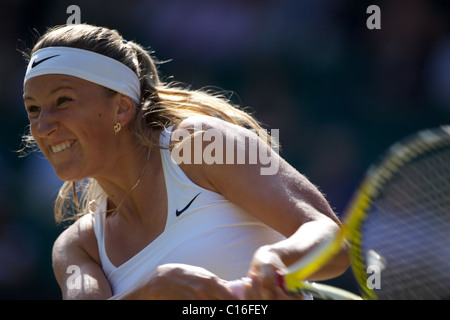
point(46, 125)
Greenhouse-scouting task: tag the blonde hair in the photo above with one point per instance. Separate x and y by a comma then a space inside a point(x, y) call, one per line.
point(161, 104)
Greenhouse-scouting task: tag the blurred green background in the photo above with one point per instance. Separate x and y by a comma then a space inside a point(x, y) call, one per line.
point(339, 93)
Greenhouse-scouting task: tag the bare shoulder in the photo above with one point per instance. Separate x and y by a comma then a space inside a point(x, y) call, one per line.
point(201, 123)
point(197, 120)
point(211, 140)
point(203, 143)
point(78, 239)
point(76, 263)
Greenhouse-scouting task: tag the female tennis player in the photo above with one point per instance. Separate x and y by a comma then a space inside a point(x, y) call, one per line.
point(146, 225)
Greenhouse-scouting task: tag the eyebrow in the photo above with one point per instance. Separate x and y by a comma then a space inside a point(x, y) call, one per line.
point(25, 98)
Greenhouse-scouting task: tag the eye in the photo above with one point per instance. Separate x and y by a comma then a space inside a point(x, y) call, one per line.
point(33, 110)
point(62, 100)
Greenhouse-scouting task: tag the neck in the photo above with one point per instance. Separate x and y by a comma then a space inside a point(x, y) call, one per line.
point(129, 184)
point(118, 206)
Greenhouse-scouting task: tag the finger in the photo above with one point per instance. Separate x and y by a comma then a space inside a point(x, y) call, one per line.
point(260, 290)
point(222, 292)
point(212, 289)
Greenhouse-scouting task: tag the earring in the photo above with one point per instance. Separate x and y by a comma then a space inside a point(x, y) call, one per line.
point(117, 127)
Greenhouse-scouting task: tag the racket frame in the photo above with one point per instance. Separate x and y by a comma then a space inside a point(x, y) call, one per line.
point(377, 175)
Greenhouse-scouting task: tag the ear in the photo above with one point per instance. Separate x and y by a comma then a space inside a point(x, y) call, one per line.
point(125, 109)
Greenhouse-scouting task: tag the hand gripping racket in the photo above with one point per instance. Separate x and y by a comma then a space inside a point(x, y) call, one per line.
point(398, 226)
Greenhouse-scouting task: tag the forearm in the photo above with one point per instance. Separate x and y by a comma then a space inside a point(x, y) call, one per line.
point(310, 235)
point(178, 281)
point(145, 289)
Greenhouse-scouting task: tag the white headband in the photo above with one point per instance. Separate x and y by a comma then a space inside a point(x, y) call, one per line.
point(86, 65)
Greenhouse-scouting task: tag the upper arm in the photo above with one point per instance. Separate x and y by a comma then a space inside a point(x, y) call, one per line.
point(78, 273)
point(283, 199)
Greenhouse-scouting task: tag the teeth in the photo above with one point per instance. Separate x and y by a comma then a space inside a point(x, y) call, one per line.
point(60, 147)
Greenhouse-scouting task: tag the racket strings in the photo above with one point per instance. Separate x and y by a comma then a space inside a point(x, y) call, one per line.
point(408, 226)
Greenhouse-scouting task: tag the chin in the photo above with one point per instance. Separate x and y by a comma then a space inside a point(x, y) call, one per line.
point(68, 175)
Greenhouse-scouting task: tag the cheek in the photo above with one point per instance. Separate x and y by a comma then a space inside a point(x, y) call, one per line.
point(98, 122)
point(98, 138)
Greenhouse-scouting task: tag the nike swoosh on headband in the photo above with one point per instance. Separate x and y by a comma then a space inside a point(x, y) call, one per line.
point(188, 205)
point(35, 63)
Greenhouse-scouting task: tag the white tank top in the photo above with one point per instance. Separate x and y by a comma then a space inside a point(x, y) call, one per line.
point(209, 231)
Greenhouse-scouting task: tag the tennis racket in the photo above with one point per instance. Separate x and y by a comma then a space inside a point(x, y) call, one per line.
point(397, 224)
point(307, 289)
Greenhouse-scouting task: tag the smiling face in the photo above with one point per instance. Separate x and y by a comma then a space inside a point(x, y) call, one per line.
point(72, 122)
